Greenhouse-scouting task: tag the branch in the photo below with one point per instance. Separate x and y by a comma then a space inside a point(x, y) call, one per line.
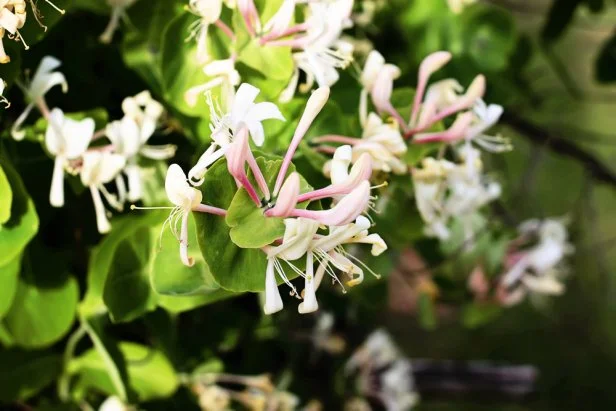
point(541, 136)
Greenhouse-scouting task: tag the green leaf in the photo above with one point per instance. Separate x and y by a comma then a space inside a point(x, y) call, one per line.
point(23, 223)
point(170, 277)
point(43, 310)
point(6, 198)
point(180, 304)
point(109, 354)
point(477, 314)
point(127, 292)
point(103, 256)
point(234, 269)
point(150, 374)
point(417, 152)
point(249, 226)
point(24, 373)
point(9, 275)
point(274, 62)
point(180, 68)
point(489, 37)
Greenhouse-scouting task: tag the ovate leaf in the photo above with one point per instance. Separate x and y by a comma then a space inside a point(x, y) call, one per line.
point(24, 373)
point(6, 197)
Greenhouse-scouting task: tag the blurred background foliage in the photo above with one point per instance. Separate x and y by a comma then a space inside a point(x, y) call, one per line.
point(551, 64)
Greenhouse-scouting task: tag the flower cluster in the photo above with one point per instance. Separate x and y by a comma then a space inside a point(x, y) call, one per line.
point(79, 149)
point(303, 238)
point(318, 50)
point(13, 15)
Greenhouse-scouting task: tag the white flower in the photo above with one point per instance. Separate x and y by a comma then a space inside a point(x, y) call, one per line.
point(323, 53)
point(12, 18)
point(486, 116)
point(377, 79)
point(376, 352)
point(244, 112)
point(118, 11)
point(185, 199)
point(537, 267)
point(114, 404)
point(145, 111)
point(295, 243)
point(99, 168)
point(398, 387)
point(3, 99)
point(384, 143)
point(224, 75)
point(430, 190)
point(65, 139)
point(209, 12)
point(43, 80)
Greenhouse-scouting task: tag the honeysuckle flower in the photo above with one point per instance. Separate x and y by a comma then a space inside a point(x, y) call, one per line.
point(244, 113)
point(469, 99)
point(295, 243)
point(343, 181)
point(185, 199)
point(486, 116)
point(314, 105)
point(98, 168)
point(145, 111)
point(209, 12)
point(440, 95)
point(118, 11)
point(377, 80)
point(43, 80)
point(428, 183)
point(453, 134)
point(12, 18)
point(329, 249)
point(65, 139)
point(224, 75)
point(345, 211)
point(322, 52)
point(129, 140)
point(428, 66)
point(537, 267)
point(113, 403)
point(378, 351)
point(3, 99)
point(398, 387)
point(287, 198)
point(213, 398)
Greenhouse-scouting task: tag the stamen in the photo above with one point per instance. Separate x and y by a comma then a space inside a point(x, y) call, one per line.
point(59, 10)
point(22, 40)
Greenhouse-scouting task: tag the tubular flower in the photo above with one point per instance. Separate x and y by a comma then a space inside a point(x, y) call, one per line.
point(322, 52)
point(537, 269)
point(65, 139)
point(185, 199)
point(208, 12)
point(118, 11)
point(377, 80)
point(99, 168)
point(12, 18)
point(485, 117)
point(384, 143)
point(129, 137)
point(244, 113)
point(43, 80)
point(224, 75)
point(3, 99)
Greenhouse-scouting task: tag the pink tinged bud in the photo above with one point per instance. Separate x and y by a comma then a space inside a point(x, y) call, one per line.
point(273, 301)
point(315, 104)
point(250, 15)
point(237, 155)
point(474, 92)
point(454, 133)
point(361, 171)
point(429, 65)
point(310, 304)
point(347, 209)
point(382, 90)
point(56, 194)
point(287, 199)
